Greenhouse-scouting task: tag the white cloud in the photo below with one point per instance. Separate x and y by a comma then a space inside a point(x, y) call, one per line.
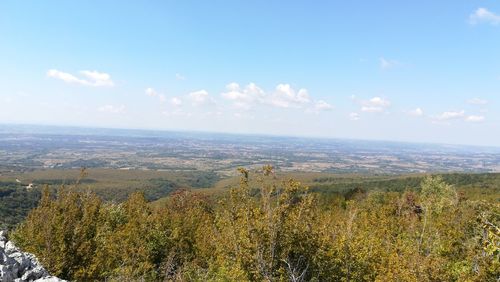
point(283, 96)
point(322, 106)
point(177, 102)
point(98, 78)
point(474, 118)
point(378, 102)
point(200, 97)
point(416, 112)
point(249, 96)
point(483, 15)
point(66, 77)
point(386, 64)
point(91, 78)
point(451, 115)
point(374, 105)
point(244, 97)
point(179, 76)
point(319, 106)
point(286, 97)
point(477, 101)
point(354, 116)
point(153, 93)
point(457, 115)
point(112, 109)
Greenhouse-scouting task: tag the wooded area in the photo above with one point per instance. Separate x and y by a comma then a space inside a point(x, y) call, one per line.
point(279, 231)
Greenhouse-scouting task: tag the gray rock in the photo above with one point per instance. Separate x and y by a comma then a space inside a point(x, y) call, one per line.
point(34, 274)
point(10, 248)
point(50, 279)
point(23, 261)
point(3, 257)
point(6, 274)
point(3, 236)
point(17, 266)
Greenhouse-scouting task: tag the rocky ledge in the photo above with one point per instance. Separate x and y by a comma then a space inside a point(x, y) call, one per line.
point(17, 266)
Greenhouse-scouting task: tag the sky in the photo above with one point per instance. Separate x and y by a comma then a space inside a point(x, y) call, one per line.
point(418, 71)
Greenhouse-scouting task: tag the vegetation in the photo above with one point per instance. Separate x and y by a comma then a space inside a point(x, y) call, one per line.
point(15, 204)
point(276, 231)
point(484, 186)
point(110, 185)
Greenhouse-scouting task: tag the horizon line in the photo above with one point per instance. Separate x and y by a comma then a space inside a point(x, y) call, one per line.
point(243, 134)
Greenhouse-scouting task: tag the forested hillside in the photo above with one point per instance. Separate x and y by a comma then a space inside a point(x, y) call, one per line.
point(110, 185)
point(276, 231)
point(116, 185)
point(15, 203)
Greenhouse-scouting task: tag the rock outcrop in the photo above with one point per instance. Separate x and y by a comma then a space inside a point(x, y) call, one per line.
point(17, 266)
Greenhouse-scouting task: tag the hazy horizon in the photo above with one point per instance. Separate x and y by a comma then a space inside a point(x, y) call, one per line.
point(421, 72)
point(82, 130)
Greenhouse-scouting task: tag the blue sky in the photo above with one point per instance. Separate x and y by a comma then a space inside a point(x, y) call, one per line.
point(423, 71)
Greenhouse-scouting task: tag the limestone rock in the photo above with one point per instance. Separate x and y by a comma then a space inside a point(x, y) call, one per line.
point(49, 279)
point(18, 266)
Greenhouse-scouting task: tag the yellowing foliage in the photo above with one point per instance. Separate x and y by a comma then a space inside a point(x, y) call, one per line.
point(277, 231)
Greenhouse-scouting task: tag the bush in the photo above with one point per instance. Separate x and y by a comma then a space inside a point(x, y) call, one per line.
point(278, 231)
